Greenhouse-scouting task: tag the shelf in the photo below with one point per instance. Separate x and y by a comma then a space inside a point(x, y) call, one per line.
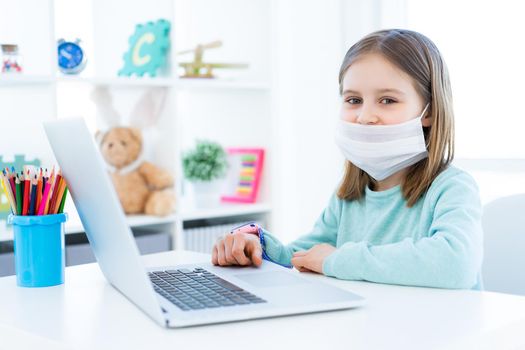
point(182, 84)
point(220, 84)
point(74, 225)
point(224, 210)
point(117, 81)
point(13, 79)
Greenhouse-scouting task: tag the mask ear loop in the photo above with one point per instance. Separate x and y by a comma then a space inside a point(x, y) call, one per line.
point(424, 111)
point(422, 115)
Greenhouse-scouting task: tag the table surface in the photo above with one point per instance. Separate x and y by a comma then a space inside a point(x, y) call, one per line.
point(87, 313)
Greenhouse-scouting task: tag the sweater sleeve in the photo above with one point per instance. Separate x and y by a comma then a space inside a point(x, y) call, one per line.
point(449, 256)
point(324, 231)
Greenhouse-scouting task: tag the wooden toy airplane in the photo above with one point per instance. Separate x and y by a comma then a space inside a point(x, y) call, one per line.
point(200, 69)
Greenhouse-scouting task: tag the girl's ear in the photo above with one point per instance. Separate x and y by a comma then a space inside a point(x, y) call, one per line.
point(426, 121)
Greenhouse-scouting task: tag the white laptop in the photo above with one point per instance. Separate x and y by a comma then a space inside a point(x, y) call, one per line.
point(182, 295)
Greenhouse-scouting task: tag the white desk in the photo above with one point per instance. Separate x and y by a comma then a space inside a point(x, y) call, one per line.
point(87, 313)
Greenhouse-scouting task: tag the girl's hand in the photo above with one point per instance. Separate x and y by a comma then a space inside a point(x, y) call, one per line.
point(237, 249)
point(312, 260)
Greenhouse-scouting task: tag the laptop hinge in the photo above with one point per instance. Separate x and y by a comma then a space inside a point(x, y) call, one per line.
point(165, 314)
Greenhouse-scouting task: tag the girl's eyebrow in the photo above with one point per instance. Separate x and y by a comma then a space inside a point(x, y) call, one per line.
point(381, 91)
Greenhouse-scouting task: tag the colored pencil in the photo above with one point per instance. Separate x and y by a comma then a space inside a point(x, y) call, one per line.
point(27, 187)
point(10, 179)
point(18, 195)
point(2, 176)
point(22, 183)
point(12, 198)
point(63, 202)
point(44, 180)
point(44, 201)
point(3, 186)
point(58, 200)
point(12, 182)
point(8, 193)
point(38, 191)
point(32, 202)
point(56, 189)
point(52, 182)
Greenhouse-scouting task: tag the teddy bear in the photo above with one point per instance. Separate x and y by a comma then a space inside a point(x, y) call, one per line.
point(142, 187)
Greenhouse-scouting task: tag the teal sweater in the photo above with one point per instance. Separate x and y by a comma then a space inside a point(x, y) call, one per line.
point(436, 243)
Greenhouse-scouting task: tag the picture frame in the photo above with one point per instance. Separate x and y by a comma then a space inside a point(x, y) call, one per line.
point(244, 175)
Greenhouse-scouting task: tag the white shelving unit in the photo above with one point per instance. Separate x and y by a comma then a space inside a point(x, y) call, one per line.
point(235, 109)
point(75, 226)
point(9, 80)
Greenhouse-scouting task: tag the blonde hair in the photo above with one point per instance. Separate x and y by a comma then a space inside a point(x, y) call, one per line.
point(417, 56)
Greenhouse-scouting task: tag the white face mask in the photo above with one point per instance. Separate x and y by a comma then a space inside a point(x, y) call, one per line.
point(382, 150)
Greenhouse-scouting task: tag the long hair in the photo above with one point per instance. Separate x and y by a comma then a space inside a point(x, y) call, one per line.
point(417, 56)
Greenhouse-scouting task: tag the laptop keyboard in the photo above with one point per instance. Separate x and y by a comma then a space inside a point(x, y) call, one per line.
point(199, 289)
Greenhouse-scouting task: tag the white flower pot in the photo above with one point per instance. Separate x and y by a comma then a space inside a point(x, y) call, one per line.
point(207, 194)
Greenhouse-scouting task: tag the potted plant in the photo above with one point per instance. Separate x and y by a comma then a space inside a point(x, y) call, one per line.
point(205, 168)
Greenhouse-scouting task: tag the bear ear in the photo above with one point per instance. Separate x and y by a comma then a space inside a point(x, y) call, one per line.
point(149, 108)
point(136, 133)
point(105, 110)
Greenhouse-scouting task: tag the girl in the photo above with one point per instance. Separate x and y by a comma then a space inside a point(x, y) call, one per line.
point(401, 214)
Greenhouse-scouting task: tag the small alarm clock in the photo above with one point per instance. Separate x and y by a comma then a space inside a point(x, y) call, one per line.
point(71, 56)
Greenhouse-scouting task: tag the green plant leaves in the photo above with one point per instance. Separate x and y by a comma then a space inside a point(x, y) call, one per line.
point(206, 162)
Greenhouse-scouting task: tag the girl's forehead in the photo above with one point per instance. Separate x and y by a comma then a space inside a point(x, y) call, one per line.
point(375, 72)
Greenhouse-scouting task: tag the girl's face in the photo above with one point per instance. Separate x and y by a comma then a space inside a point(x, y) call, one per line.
point(375, 92)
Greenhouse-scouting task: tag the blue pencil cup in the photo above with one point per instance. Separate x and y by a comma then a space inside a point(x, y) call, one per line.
point(39, 249)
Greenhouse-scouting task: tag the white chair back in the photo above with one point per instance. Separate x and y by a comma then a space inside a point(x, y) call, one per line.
point(504, 245)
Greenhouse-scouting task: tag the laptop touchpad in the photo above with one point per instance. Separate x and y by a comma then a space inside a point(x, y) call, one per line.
point(271, 279)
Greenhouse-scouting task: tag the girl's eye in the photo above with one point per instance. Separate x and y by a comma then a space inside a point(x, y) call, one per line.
point(353, 101)
point(387, 101)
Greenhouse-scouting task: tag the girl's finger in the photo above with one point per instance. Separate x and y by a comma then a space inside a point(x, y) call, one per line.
point(297, 262)
point(220, 254)
point(228, 243)
point(239, 243)
point(254, 251)
point(301, 263)
point(300, 253)
point(214, 259)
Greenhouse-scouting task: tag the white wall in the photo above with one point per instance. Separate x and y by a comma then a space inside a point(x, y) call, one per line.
point(21, 121)
point(307, 52)
point(484, 54)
